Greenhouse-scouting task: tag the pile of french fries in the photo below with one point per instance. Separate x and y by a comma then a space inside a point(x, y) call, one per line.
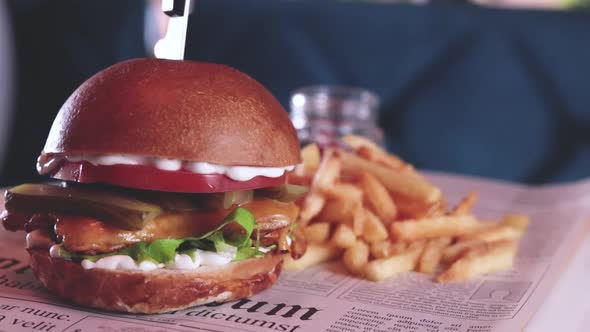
point(380, 217)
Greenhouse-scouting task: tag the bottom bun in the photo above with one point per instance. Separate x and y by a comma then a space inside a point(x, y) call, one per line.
point(155, 291)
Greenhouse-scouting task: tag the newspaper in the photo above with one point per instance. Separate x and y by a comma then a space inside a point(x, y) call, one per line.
point(325, 298)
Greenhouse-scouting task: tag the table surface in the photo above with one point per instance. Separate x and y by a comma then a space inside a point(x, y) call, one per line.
point(568, 306)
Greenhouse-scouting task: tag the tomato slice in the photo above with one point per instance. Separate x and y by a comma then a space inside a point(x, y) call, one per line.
point(151, 178)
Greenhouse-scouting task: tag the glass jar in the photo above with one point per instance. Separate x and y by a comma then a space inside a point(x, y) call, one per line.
point(322, 114)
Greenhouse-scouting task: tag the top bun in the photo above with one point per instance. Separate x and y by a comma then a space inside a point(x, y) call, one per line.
point(179, 110)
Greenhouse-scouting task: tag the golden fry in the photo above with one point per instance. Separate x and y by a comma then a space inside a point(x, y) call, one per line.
point(490, 234)
point(343, 237)
point(318, 232)
point(312, 205)
point(398, 247)
point(421, 229)
point(417, 246)
point(464, 207)
point(356, 257)
point(485, 234)
point(345, 192)
point(328, 172)
point(386, 248)
point(451, 253)
point(411, 209)
point(373, 229)
point(518, 221)
point(384, 268)
point(482, 259)
point(432, 254)
point(404, 183)
point(310, 154)
point(373, 152)
point(378, 198)
point(349, 209)
point(358, 220)
point(315, 254)
point(338, 211)
point(380, 249)
point(378, 157)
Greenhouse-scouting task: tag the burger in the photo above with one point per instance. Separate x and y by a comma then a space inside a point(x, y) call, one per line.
point(169, 189)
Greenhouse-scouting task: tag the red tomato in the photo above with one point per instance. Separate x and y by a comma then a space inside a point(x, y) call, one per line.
point(151, 178)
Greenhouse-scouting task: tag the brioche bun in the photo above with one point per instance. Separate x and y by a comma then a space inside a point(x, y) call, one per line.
point(179, 110)
point(155, 291)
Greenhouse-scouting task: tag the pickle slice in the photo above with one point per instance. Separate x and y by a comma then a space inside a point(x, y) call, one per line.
point(284, 192)
point(111, 208)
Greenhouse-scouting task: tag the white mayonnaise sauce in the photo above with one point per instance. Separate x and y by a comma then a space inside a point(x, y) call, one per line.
point(237, 173)
point(184, 262)
point(180, 262)
point(120, 262)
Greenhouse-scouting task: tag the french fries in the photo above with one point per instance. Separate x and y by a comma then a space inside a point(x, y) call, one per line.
point(373, 152)
point(486, 234)
point(451, 253)
point(429, 228)
point(311, 159)
point(327, 173)
point(317, 233)
point(373, 228)
point(312, 206)
point(358, 220)
point(464, 207)
point(432, 254)
point(356, 257)
point(405, 183)
point(481, 259)
point(491, 234)
point(344, 237)
point(386, 248)
point(385, 268)
point(338, 211)
point(378, 198)
point(381, 249)
point(380, 217)
point(410, 209)
point(314, 254)
point(518, 221)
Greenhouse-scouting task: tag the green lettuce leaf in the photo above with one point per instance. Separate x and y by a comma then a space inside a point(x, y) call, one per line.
point(245, 253)
point(245, 219)
point(242, 217)
point(162, 251)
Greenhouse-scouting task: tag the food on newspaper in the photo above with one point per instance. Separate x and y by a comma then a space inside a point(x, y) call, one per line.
point(173, 190)
point(381, 217)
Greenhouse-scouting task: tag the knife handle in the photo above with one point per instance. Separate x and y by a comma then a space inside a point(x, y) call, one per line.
point(174, 8)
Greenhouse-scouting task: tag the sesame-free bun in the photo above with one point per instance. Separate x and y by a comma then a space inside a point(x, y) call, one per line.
point(175, 109)
point(155, 291)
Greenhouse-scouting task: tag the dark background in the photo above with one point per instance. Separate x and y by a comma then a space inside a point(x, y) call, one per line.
point(493, 93)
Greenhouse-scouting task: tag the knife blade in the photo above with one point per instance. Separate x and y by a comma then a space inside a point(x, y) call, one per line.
point(173, 44)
